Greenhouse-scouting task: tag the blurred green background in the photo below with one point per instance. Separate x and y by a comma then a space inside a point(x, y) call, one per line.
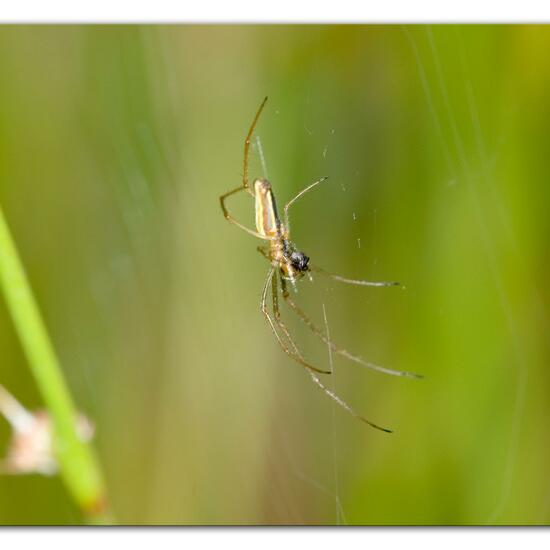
point(115, 144)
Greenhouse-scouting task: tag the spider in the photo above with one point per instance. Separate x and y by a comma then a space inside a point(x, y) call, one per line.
point(290, 264)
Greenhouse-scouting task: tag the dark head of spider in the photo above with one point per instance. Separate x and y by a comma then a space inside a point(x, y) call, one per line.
point(297, 259)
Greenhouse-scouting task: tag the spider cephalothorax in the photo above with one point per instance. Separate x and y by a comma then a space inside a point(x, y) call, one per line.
point(294, 264)
point(299, 261)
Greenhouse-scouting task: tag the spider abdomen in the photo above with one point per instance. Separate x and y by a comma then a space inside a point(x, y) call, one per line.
point(267, 218)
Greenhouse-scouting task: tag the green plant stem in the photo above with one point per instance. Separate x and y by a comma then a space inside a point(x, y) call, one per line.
point(78, 465)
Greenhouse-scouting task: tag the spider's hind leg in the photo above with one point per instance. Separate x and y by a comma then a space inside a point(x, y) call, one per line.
point(232, 220)
point(247, 147)
point(296, 197)
point(245, 185)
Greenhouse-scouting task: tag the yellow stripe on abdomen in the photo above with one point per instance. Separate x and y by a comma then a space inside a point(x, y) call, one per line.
point(267, 219)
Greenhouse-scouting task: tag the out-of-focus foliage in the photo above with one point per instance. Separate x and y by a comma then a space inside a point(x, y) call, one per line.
point(115, 144)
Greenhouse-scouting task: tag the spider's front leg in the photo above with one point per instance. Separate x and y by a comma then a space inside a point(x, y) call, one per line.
point(337, 349)
point(277, 314)
point(359, 282)
point(345, 406)
point(296, 355)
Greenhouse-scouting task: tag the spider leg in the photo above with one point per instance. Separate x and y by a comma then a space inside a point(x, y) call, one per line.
point(263, 252)
point(231, 219)
point(344, 405)
point(302, 192)
point(247, 147)
point(276, 311)
point(277, 314)
point(360, 282)
point(298, 356)
point(245, 186)
point(263, 307)
point(336, 348)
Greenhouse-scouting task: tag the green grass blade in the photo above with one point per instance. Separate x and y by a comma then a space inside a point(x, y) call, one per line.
point(78, 465)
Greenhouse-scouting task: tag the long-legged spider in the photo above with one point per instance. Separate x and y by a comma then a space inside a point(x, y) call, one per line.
point(290, 264)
